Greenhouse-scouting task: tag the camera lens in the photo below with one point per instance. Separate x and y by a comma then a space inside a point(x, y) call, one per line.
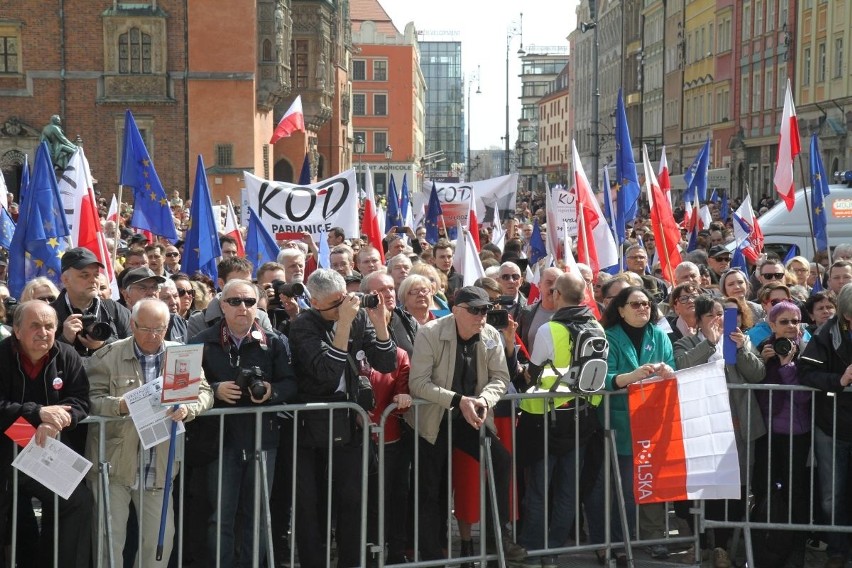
point(782, 346)
point(369, 301)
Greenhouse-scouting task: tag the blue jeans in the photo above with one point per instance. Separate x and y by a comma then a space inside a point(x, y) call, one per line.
point(833, 495)
point(237, 499)
point(594, 504)
point(561, 472)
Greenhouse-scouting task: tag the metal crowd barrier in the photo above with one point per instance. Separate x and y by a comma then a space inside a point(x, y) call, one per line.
point(375, 551)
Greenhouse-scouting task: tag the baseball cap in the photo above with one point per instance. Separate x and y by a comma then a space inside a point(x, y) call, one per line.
point(137, 275)
point(79, 258)
point(718, 250)
point(472, 296)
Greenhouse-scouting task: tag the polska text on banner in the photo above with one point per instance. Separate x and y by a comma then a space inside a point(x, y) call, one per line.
point(683, 437)
point(292, 208)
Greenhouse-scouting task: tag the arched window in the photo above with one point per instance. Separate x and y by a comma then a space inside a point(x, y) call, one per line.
point(134, 52)
point(267, 51)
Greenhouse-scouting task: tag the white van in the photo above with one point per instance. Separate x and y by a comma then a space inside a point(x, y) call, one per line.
point(782, 228)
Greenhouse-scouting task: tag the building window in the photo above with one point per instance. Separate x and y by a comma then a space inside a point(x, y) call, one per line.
point(746, 94)
point(134, 52)
point(838, 57)
point(359, 70)
point(380, 142)
point(806, 67)
point(224, 155)
point(267, 51)
point(756, 100)
point(9, 54)
point(747, 23)
point(770, 15)
point(380, 70)
point(758, 17)
point(299, 63)
point(359, 104)
point(769, 97)
point(380, 105)
point(821, 63)
point(380, 183)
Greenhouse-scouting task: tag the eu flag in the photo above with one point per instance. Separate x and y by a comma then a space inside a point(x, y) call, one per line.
point(151, 211)
point(25, 180)
point(305, 174)
point(40, 237)
point(404, 200)
point(538, 250)
point(260, 244)
point(607, 199)
point(7, 228)
point(627, 180)
point(819, 190)
point(201, 246)
point(696, 176)
point(433, 215)
point(393, 217)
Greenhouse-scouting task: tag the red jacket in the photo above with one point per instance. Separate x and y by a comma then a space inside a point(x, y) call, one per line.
point(385, 387)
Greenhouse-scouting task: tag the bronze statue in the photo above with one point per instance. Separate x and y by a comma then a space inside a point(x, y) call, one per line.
point(61, 149)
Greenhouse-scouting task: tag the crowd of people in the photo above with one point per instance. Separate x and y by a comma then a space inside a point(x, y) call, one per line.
point(375, 334)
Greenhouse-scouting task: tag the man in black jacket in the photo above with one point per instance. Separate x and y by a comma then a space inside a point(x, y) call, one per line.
point(401, 325)
point(236, 345)
point(826, 364)
point(44, 384)
point(80, 269)
point(326, 341)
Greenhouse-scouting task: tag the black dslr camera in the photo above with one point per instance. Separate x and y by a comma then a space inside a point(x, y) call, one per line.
point(293, 290)
point(251, 382)
point(97, 330)
point(782, 346)
point(368, 300)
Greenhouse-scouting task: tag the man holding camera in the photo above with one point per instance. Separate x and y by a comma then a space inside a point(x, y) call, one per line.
point(87, 322)
point(118, 368)
point(245, 366)
point(459, 364)
point(327, 340)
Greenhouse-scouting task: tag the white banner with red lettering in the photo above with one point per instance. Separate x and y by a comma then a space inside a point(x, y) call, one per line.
point(683, 437)
point(455, 197)
point(288, 209)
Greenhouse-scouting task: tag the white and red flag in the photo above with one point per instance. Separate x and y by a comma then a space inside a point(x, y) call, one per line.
point(663, 224)
point(789, 147)
point(747, 233)
point(370, 221)
point(232, 228)
point(683, 437)
point(466, 259)
point(533, 278)
point(292, 121)
point(595, 244)
point(112, 214)
point(663, 176)
point(473, 222)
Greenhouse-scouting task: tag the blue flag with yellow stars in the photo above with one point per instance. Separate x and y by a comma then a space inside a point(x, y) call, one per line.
point(819, 190)
point(151, 208)
point(695, 177)
point(201, 247)
point(433, 216)
point(260, 244)
point(7, 228)
point(40, 237)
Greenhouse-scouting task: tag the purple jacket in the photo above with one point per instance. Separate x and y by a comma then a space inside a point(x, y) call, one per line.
point(782, 402)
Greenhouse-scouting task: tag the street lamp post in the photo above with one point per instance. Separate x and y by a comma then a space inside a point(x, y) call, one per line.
point(510, 33)
point(388, 157)
point(360, 146)
point(478, 92)
point(584, 27)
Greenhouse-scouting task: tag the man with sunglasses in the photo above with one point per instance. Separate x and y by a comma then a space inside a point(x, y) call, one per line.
point(330, 343)
point(459, 365)
point(718, 261)
point(172, 260)
point(510, 280)
point(238, 343)
point(771, 270)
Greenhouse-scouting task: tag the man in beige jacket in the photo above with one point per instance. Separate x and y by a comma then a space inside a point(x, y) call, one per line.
point(113, 371)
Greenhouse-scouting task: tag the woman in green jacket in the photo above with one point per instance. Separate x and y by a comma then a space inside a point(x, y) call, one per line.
point(638, 349)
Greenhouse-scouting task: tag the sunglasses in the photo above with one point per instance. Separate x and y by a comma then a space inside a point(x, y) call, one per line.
point(234, 302)
point(788, 322)
point(478, 310)
point(772, 275)
point(172, 254)
point(510, 277)
point(48, 299)
point(183, 293)
point(639, 305)
point(723, 258)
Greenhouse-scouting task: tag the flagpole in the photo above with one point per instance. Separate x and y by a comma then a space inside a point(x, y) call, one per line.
point(582, 227)
point(117, 236)
point(444, 224)
point(808, 205)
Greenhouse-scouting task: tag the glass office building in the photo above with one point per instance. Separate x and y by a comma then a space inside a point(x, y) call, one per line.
point(441, 64)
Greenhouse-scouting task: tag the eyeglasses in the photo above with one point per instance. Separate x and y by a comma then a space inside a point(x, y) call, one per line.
point(182, 292)
point(788, 322)
point(510, 277)
point(772, 275)
point(478, 310)
point(639, 305)
point(234, 302)
point(172, 254)
point(48, 299)
point(686, 299)
point(723, 258)
point(335, 305)
point(776, 301)
point(151, 330)
point(419, 292)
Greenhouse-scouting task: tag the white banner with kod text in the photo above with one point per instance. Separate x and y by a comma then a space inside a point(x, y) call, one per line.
point(455, 198)
point(287, 209)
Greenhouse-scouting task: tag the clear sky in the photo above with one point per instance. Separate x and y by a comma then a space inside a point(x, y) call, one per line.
point(482, 27)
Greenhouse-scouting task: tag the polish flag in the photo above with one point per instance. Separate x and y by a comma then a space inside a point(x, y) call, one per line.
point(292, 121)
point(788, 148)
point(473, 222)
point(683, 437)
point(112, 214)
point(687, 216)
point(663, 225)
point(552, 241)
point(232, 228)
point(663, 177)
point(595, 244)
point(533, 277)
point(76, 184)
point(370, 220)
